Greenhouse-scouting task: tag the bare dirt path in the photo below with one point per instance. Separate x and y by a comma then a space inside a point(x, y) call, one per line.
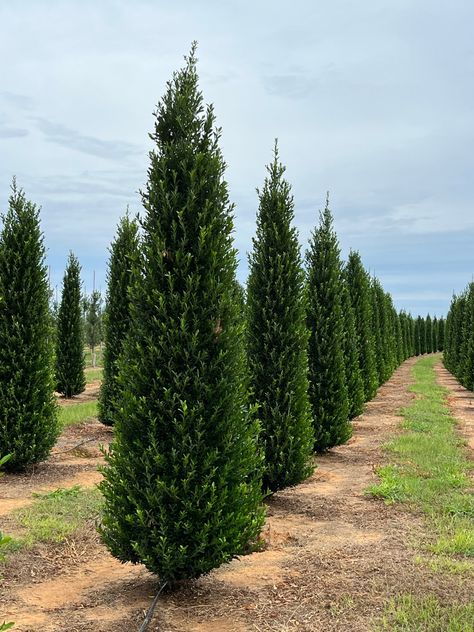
point(90, 393)
point(334, 556)
point(461, 402)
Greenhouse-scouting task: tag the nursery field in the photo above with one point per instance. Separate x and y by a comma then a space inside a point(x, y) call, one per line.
point(374, 540)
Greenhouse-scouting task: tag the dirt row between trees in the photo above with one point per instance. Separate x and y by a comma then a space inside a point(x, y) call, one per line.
point(461, 403)
point(334, 556)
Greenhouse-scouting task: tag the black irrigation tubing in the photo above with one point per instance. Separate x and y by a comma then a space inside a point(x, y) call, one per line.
point(73, 447)
point(151, 610)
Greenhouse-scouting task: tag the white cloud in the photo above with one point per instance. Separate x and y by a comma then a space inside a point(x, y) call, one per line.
point(372, 101)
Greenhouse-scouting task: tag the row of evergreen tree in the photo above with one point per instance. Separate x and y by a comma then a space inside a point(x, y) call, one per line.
point(459, 344)
point(216, 396)
point(77, 320)
point(301, 351)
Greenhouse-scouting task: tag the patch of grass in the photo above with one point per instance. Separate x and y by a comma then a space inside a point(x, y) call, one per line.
point(77, 413)
point(98, 356)
point(430, 469)
point(58, 514)
point(92, 375)
point(391, 487)
point(412, 614)
point(8, 545)
point(344, 604)
point(456, 536)
point(443, 564)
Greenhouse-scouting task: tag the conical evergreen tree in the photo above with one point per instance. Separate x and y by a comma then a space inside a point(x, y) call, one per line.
point(327, 380)
point(418, 347)
point(410, 328)
point(354, 381)
point(423, 345)
point(278, 337)
point(182, 484)
point(466, 375)
point(400, 357)
point(435, 334)
point(124, 254)
point(378, 331)
point(28, 413)
point(429, 334)
point(404, 322)
point(359, 290)
point(457, 335)
point(93, 322)
point(441, 333)
point(450, 335)
point(70, 334)
point(392, 333)
point(464, 369)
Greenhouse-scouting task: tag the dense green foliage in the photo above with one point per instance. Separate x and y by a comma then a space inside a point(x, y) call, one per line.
point(218, 394)
point(459, 337)
point(360, 293)
point(124, 254)
point(70, 334)
point(277, 337)
point(328, 392)
point(386, 332)
point(28, 414)
point(354, 381)
point(93, 320)
point(182, 484)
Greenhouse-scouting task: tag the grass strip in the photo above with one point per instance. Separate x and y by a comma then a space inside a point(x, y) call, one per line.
point(58, 514)
point(53, 518)
point(77, 413)
point(430, 467)
point(426, 614)
point(92, 375)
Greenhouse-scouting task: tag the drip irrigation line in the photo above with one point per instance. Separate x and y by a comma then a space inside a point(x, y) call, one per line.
point(73, 447)
point(151, 610)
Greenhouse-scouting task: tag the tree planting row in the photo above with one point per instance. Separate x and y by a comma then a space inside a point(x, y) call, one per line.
point(459, 346)
point(218, 395)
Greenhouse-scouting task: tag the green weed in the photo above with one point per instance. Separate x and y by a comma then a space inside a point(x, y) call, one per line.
point(92, 375)
point(58, 514)
point(77, 413)
point(412, 614)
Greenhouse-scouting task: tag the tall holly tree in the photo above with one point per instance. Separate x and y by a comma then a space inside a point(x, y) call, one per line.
point(418, 347)
point(70, 361)
point(354, 382)
point(182, 484)
point(423, 345)
point(399, 338)
point(454, 335)
point(278, 337)
point(28, 412)
point(429, 334)
point(327, 378)
point(93, 322)
point(378, 330)
point(359, 291)
point(124, 256)
point(441, 333)
point(435, 335)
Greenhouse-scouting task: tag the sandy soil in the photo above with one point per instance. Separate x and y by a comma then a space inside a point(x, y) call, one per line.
point(90, 393)
point(333, 557)
point(461, 403)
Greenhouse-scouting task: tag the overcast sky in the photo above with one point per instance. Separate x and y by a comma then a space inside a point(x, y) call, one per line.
point(373, 101)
